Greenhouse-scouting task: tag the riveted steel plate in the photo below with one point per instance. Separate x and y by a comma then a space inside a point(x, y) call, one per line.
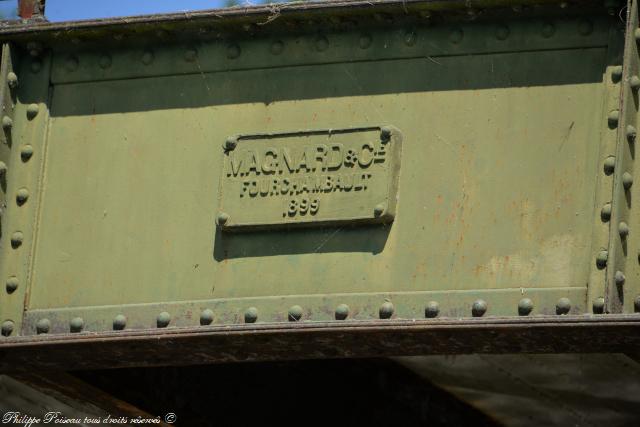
point(310, 178)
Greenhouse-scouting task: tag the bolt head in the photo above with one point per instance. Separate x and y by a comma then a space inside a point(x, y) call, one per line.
point(598, 306)
point(230, 144)
point(456, 36)
point(36, 66)
point(563, 306)
point(631, 133)
point(222, 218)
point(3, 168)
point(251, 315)
point(585, 27)
point(365, 41)
point(206, 317)
point(277, 47)
point(410, 38)
point(7, 328)
point(147, 57)
point(623, 229)
point(634, 83)
point(601, 259)
point(105, 61)
point(613, 118)
point(502, 32)
point(12, 80)
point(76, 324)
point(619, 278)
point(616, 73)
point(119, 322)
point(385, 133)
point(12, 284)
point(627, 180)
point(609, 165)
point(386, 310)
point(163, 320)
point(233, 51)
point(525, 307)
point(7, 123)
point(636, 304)
point(322, 43)
point(43, 326)
point(16, 239)
point(32, 111)
point(479, 308)
point(295, 313)
point(378, 209)
point(190, 55)
point(26, 152)
point(605, 213)
point(432, 310)
point(548, 30)
point(342, 312)
point(22, 195)
point(72, 63)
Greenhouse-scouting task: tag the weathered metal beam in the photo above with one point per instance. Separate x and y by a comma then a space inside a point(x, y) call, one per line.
point(187, 346)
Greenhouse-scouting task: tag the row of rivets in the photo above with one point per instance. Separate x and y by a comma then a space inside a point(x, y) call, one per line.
point(321, 43)
point(296, 313)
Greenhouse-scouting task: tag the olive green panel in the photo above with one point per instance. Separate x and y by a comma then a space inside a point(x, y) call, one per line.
point(496, 185)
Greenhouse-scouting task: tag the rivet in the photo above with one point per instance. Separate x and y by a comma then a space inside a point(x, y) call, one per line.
point(222, 218)
point(22, 195)
point(431, 310)
point(378, 210)
point(601, 259)
point(619, 278)
point(3, 168)
point(616, 73)
point(251, 315)
point(479, 308)
point(163, 320)
point(342, 312)
point(32, 111)
point(627, 180)
point(16, 239)
point(563, 306)
point(36, 66)
point(43, 326)
point(119, 322)
point(613, 118)
point(295, 313)
point(322, 43)
point(631, 133)
point(233, 51)
point(365, 41)
point(598, 306)
point(609, 165)
point(410, 38)
point(634, 83)
point(34, 48)
point(190, 55)
point(525, 307)
point(105, 61)
point(12, 80)
point(277, 47)
point(7, 123)
point(12, 284)
point(636, 34)
point(230, 143)
point(71, 64)
point(147, 57)
point(76, 324)
point(456, 36)
point(385, 133)
point(26, 152)
point(386, 310)
point(585, 27)
point(502, 32)
point(623, 229)
point(206, 317)
point(548, 30)
point(7, 328)
point(605, 213)
point(636, 304)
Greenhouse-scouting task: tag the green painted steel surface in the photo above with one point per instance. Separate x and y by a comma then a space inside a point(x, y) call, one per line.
point(506, 125)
